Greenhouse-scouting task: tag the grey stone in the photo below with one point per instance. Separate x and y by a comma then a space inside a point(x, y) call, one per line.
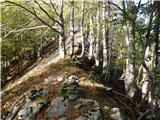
point(81, 118)
point(88, 102)
point(93, 114)
point(78, 106)
point(35, 93)
point(29, 110)
point(117, 116)
point(58, 106)
point(63, 118)
point(115, 110)
point(106, 108)
point(72, 77)
point(13, 112)
point(73, 97)
point(53, 79)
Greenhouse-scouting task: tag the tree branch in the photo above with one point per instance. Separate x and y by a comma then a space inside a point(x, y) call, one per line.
point(47, 13)
point(54, 8)
point(33, 13)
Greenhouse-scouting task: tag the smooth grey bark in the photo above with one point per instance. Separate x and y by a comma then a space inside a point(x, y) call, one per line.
point(97, 49)
point(130, 81)
point(62, 50)
point(91, 37)
point(72, 29)
point(146, 81)
point(82, 31)
point(104, 37)
point(106, 31)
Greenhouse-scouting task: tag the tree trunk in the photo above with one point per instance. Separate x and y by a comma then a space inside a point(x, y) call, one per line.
point(97, 49)
point(72, 29)
point(82, 33)
point(91, 37)
point(105, 69)
point(104, 38)
point(146, 81)
point(62, 50)
point(149, 59)
point(157, 36)
point(130, 83)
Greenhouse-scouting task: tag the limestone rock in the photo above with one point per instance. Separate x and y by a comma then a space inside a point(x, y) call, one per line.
point(58, 106)
point(29, 110)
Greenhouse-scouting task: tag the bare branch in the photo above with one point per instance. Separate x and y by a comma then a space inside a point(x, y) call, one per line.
point(33, 13)
point(47, 13)
point(14, 30)
point(54, 8)
point(26, 29)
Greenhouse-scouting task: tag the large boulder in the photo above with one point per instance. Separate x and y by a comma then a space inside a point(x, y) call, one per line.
point(58, 106)
point(30, 110)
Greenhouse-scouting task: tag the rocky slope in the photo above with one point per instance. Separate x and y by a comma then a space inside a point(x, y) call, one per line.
point(61, 92)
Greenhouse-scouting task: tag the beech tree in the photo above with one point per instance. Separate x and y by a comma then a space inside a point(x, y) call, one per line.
point(104, 41)
point(72, 29)
point(82, 29)
point(91, 36)
point(130, 82)
point(97, 46)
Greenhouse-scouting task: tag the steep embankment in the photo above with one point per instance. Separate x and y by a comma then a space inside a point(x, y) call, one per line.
point(60, 91)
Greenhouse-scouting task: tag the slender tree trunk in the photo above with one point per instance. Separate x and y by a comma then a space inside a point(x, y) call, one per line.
point(82, 33)
point(97, 49)
point(91, 37)
point(62, 50)
point(72, 29)
point(104, 38)
point(157, 35)
point(130, 83)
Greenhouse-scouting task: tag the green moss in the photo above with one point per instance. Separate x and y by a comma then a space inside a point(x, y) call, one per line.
point(100, 99)
point(40, 100)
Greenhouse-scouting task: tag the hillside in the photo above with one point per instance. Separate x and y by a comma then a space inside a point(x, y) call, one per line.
point(80, 60)
point(55, 82)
